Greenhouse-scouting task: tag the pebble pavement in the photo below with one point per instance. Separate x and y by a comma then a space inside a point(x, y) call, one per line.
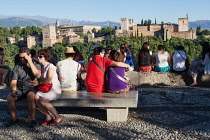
point(163, 113)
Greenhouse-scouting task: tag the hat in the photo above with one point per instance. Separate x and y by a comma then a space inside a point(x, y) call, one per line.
point(69, 50)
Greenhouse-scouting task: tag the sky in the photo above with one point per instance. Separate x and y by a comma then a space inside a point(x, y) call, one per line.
point(110, 10)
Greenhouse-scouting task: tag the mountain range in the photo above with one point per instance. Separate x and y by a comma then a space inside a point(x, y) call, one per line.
point(12, 20)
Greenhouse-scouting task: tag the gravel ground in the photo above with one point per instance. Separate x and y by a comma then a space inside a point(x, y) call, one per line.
point(163, 112)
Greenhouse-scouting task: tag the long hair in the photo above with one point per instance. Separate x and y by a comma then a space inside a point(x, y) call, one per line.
point(205, 49)
point(144, 49)
point(124, 47)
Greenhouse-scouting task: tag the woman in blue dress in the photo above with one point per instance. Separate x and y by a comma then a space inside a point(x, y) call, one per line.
point(127, 55)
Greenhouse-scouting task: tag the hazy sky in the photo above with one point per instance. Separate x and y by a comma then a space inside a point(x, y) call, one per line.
point(113, 10)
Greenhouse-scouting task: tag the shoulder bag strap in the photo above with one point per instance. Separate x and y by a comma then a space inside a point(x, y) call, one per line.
point(118, 76)
point(181, 55)
point(98, 65)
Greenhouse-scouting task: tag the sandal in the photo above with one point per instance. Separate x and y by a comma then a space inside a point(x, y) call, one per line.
point(55, 123)
point(45, 122)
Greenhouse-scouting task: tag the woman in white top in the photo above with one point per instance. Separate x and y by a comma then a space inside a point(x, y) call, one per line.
point(161, 60)
point(180, 60)
point(49, 75)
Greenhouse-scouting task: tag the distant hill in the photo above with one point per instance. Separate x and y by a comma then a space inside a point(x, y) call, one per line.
point(11, 21)
point(205, 24)
point(17, 21)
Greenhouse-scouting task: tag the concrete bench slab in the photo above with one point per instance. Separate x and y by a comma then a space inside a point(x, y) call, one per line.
point(116, 105)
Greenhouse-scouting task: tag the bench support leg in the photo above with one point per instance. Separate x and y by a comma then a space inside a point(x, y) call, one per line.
point(117, 114)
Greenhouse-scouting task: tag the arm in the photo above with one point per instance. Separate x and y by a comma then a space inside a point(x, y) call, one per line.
point(13, 84)
point(49, 77)
point(36, 72)
point(169, 58)
point(125, 54)
point(154, 59)
point(206, 60)
point(120, 64)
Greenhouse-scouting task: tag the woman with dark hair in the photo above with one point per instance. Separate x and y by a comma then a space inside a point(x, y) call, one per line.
point(48, 75)
point(144, 58)
point(116, 81)
point(180, 60)
point(199, 64)
point(161, 59)
point(127, 55)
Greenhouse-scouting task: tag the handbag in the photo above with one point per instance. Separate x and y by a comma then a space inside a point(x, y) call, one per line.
point(45, 87)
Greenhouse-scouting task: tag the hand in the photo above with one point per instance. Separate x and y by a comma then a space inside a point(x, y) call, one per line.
point(33, 83)
point(15, 93)
point(28, 58)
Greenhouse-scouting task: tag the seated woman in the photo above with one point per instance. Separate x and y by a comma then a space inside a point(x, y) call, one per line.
point(197, 65)
point(3, 68)
point(116, 82)
point(48, 75)
point(127, 56)
point(180, 60)
point(144, 58)
point(161, 59)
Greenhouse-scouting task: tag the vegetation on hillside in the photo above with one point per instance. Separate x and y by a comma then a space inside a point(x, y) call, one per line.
point(192, 47)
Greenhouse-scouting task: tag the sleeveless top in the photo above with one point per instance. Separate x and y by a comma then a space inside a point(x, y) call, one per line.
point(113, 83)
point(129, 60)
point(161, 59)
point(144, 61)
point(179, 59)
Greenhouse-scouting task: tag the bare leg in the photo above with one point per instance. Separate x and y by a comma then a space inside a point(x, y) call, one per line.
point(12, 107)
point(49, 107)
point(42, 108)
point(194, 81)
point(31, 105)
point(5, 72)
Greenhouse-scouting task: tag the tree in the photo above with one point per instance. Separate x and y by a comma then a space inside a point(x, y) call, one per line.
point(142, 22)
point(94, 30)
point(149, 22)
point(198, 30)
point(155, 21)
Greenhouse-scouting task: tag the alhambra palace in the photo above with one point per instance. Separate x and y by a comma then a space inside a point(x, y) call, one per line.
point(59, 33)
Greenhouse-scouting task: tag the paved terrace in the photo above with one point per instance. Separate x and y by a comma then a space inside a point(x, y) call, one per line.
point(164, 112)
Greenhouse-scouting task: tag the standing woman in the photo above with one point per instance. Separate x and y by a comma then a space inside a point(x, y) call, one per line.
point(161, 60)
point(197, 65)
point(49, 75)
point(144, 58)
point(127, 56)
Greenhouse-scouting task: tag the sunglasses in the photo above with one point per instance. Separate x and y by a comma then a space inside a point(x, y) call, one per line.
point(40, 56)
point(22, 57)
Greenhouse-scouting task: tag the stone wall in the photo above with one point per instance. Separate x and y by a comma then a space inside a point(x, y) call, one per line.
point(156, 78)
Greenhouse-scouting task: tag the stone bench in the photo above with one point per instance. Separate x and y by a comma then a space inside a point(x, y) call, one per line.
point(116, 105)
